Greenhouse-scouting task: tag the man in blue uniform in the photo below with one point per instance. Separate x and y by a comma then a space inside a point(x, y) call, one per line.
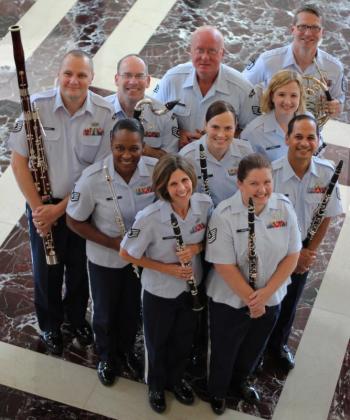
point(303, 178)
point(203, 81)
point(132, 79)
point(303, 56)
point(75, 129)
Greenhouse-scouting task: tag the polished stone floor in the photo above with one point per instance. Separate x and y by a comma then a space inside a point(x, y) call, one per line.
point(28, 386)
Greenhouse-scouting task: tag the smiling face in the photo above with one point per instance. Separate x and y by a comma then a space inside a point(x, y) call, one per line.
point(179, 188)
point(302, 141)
point(220, 130)
point(127, 150)
point(286, 99)
point(258, 185)
point(307, 38)
point(132, 79)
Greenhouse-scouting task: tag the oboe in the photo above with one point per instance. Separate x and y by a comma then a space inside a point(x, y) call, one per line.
point(319, 212)
point(196, 304)
point(252, 258)
point(204, 170)
point(117, 213)
point(37, 158)
point(139, 107)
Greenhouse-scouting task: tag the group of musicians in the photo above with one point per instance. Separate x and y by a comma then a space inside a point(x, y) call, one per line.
point(136, 205)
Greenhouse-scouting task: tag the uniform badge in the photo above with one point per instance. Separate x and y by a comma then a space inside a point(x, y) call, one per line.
point(197, 228)
point(17, 127)
point(94, 130)
point(232, 171)
point(175, 132)
point(317, 189)
point(256, 110)
point(133, 233)
point(143, 190)
point(156, 89)
point(212, 235)
point(343, 84)
point(74, 196)
point(252, 93)
point(251, 64)
point(114, 116)
point(276, 224)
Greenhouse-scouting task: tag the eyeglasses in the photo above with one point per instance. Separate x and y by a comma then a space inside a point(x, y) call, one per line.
point(212, 52)
point(138, 76)
point(315, 29)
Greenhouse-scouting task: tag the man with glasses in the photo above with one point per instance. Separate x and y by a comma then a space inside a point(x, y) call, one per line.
point(132, 79)
point(303, 56)
point(203, 81)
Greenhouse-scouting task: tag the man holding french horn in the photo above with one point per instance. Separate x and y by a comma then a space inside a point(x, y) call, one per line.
point(323, 74)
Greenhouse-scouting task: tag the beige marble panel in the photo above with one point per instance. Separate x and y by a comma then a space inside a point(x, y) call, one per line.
point(336, 132)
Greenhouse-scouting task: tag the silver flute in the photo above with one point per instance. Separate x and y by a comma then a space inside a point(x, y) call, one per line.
point(117, 213)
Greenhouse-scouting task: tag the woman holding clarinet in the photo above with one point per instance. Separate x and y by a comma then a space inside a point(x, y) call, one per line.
point(244, 305)
point(102, 208)
point(171, 274)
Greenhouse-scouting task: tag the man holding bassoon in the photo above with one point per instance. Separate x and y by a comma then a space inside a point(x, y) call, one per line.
point(60, 132)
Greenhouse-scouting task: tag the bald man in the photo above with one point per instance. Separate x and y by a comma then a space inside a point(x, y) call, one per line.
point(202, 81)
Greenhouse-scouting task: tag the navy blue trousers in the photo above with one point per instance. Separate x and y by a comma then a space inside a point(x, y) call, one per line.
point(169, 326)
point(52, 308)
point(116, 297)
point(283, 327)
point(236, 344)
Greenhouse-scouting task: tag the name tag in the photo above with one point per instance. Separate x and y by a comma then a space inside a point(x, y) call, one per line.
point(168, 237)
point(242, 230)
point(273, 147)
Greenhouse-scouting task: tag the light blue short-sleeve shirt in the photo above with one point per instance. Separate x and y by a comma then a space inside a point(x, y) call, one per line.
point(277, 235)
point(180, 82)
point(306, 193)
point(92, 197)
point(152, 236)
point(161, 131)
point(222, 174)
point(71, 142)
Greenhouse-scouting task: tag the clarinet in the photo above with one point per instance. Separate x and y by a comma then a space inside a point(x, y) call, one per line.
point(319, 149)
point(252, 258)
point(319, 212)
point(37, 158)
point(139, 107)
point(117, 213)
point(196, 304)
point(204, 170)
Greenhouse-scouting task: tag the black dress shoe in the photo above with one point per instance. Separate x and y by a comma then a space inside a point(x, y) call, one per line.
point(157, 400)
point(218, 405)
point(249, 393)
point(286, 359)
point(106, 373)
point(53, 342)
point(83, 334)
point(183, 393)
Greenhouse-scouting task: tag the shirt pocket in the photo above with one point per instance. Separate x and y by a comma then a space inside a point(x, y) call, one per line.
point(312, 201)
point(86, 148)
point(52, 143)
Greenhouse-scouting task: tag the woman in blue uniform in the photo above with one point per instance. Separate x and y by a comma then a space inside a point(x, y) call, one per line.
point(242, 316)
point(102, 207)
point(283, 98)
point(222, 151)
point(169, 320)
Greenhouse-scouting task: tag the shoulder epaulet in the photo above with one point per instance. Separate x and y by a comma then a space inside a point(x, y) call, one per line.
point(92, 169)
point(100, 101)
point(223, 205)
point(43, 95)
point(151, 208)
point(189, 148)
point(273, 52)
point(331, 58)
point(282, 197)
point(204, 198)
point(183, 68)
point(150, 161)
point(243, 145)
point(237, 78)
point(277, 164)
point(324, 162)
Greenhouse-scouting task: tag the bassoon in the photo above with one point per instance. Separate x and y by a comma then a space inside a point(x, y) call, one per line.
point(196, 304)
point(37, 159)
point(319, 212)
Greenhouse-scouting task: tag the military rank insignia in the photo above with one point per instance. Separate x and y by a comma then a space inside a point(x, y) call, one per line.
point(232, 171)
point(175, 131)
point(133, 233)
point(17, 127)
point(212, 233)
point(74, 196)
point(256, 110)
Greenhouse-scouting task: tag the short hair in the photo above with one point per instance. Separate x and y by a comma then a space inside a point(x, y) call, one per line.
point(250, 162)
point(163, 170)
point(131, 124)
point(301, 117)
point(307, 8)
point(214, 31)
point(120, 62)
point(219, 107)
point(279, 80)
point(79, 54)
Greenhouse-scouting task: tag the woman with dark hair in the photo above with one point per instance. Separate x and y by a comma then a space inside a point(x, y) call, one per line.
point(283, 98)
point(222, 152)
point(169, 320)
point(243, 313)
point(102, 207)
